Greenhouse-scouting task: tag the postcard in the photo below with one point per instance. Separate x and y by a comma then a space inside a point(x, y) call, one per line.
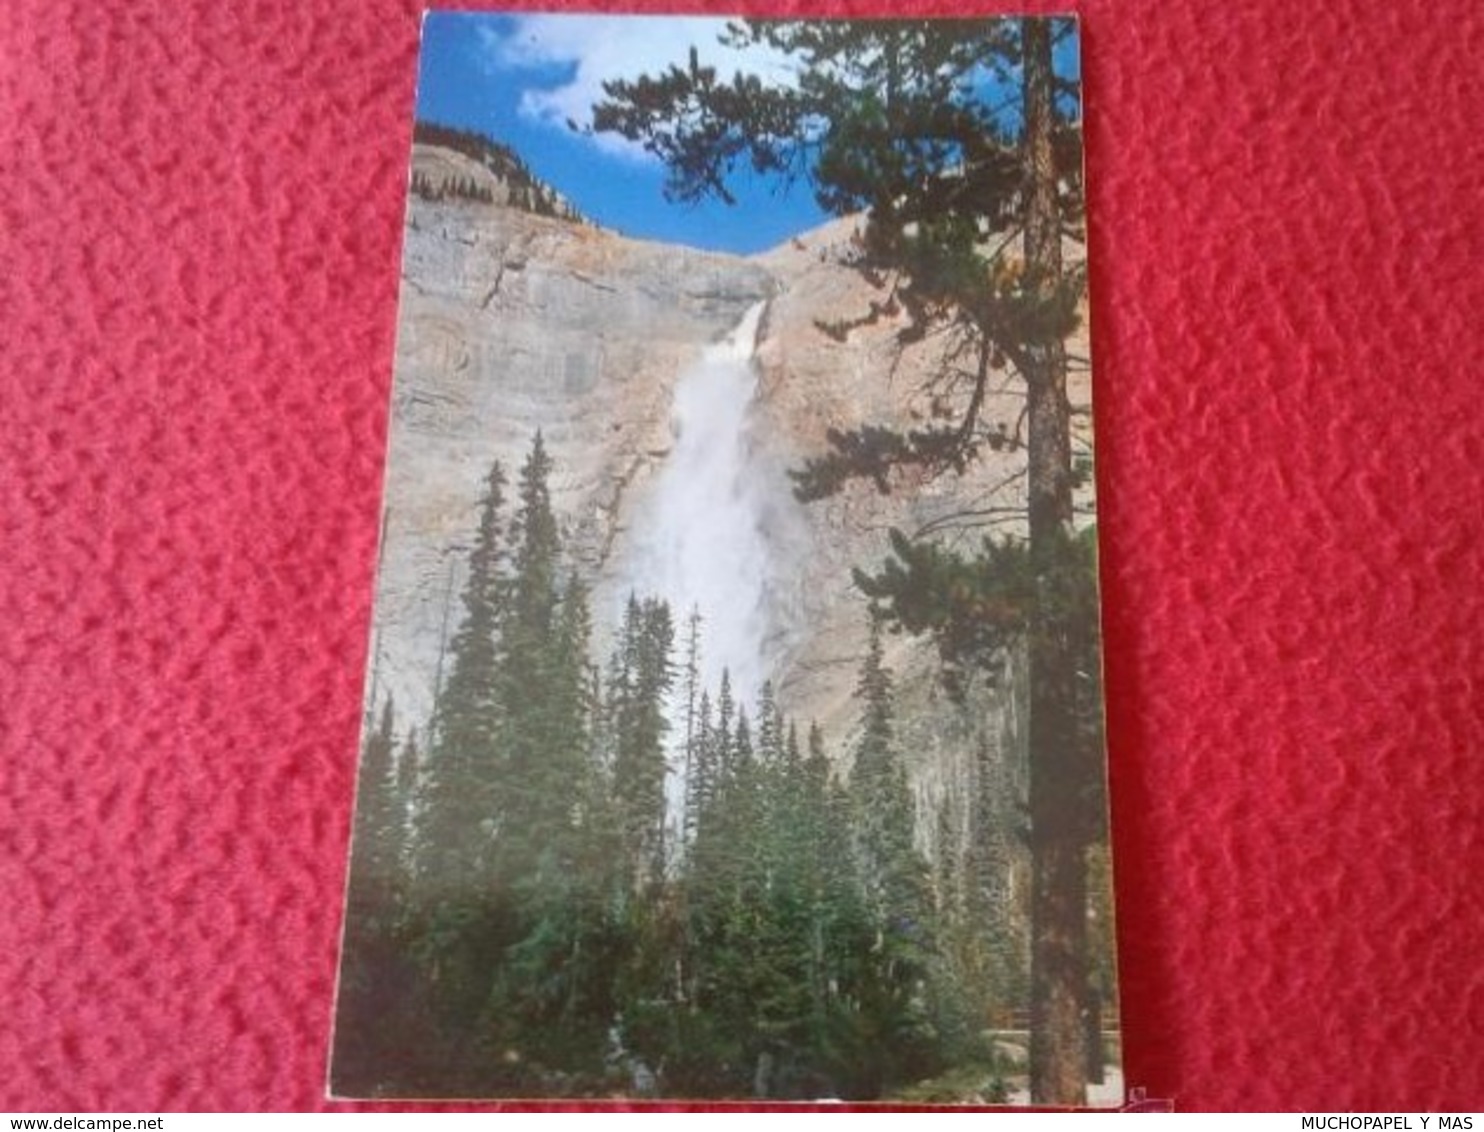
point(733, 721)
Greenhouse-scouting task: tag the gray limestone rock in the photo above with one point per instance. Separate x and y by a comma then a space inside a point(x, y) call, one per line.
point(512, 323)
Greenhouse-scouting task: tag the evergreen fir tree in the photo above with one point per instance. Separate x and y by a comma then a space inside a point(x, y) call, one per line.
point(409, 770)
point(770, 735)
point(458, 800)
point(700, 779)
point(646, 677)
point(893, 123)
point(551, 998)
point(893, 880)
point(537, 770)
point(879, 788)
point(726, 718)
point(372, 986)
point(378, 822)
point(571, 691)
point(450, 933)
point(741, 754)
point(690, 694)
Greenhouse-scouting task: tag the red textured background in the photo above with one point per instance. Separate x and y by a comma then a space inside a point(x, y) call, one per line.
point(199, 228)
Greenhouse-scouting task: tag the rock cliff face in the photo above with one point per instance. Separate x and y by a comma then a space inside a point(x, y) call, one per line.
point(512, 322)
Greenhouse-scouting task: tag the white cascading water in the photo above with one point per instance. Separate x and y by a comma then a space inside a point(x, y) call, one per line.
point(713, 531)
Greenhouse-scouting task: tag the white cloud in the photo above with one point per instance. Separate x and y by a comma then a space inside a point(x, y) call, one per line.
point(603, 48)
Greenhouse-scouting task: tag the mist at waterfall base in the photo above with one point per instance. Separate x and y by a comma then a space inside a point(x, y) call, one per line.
point(719, 530)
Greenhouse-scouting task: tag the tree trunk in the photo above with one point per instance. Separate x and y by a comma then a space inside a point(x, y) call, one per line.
point(1058, 831)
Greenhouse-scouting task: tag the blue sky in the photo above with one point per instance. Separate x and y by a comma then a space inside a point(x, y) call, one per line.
point(519, 78)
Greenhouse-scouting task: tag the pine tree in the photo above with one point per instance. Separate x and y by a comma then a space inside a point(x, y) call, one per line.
point(700, 781)
point(553, 998)
point(554, 935)
point(893, 121)
point(831, 889)
point(409, 771)
point(378, 824)
point(646, 677)
point(893, 881)
point(537, 770)
point(451, 921)
point(458, 801)
point(770, 724)
point(741, 751)
point(725, 737)
point(792, 758)
point(879, 788)
point(692, 695)
point(372, 986)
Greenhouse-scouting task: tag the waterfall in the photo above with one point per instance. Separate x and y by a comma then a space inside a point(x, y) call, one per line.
point(714, 531)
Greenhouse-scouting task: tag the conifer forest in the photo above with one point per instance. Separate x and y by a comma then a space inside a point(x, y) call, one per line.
point(528, 915)
point(592, 862)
